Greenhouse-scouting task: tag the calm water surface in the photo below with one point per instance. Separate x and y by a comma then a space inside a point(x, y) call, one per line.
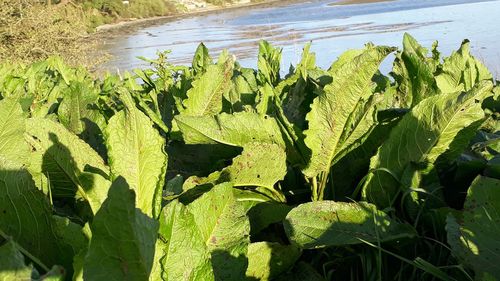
point(332, 30)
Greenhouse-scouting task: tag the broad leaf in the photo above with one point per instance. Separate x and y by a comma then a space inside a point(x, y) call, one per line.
point(349, 171)
point(236, 129)
point(207, 240)
point(26, 216)
point(307, 61)
point(434, 128)
point(328, 223)
point(268, 63)
point(206, 95)
point(263, 214)
point(25, 213)
point(225, 230)
point(78, 113)
point(244, 89)
point(76, 110)
point(72, 234)
point(136, 152)
point(345, 58)
point(461, 71)
point(414, 73)
point(198, 159)
point(201, 59)
point(421, 189)
point(299, 89)
point(70, 164)
point(265, 96)
point(259, 165)
point(123, 239)
point(333, 117)
point(183, 251)
point(13, 148)
point(474, 237)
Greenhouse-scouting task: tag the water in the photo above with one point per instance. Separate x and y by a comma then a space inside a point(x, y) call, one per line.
point(331, 28)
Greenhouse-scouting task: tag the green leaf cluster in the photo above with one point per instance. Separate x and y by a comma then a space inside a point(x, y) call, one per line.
point(215, 171)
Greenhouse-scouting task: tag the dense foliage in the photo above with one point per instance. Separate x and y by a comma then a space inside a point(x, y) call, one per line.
point(337, 174)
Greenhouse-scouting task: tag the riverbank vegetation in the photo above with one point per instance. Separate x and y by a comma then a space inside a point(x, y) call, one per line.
point(221, 172)
point(31, 31)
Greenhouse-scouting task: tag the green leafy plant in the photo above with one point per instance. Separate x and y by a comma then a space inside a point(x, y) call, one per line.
point(221, 172)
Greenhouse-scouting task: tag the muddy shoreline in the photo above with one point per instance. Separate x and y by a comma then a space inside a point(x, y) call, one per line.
point(141, 23)
point(354, 2)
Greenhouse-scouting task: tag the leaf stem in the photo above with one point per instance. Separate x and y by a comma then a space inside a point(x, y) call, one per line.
point(314, 189)
point(322, 186)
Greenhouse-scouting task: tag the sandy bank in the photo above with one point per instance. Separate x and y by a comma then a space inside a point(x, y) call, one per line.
point(353, 2)
point(194, 12)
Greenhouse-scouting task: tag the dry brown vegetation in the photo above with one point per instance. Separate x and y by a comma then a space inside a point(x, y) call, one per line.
point(31, 31)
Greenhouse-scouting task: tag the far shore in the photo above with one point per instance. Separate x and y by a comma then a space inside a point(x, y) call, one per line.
point(353, 2)
point(214, 9)
point(198, 11)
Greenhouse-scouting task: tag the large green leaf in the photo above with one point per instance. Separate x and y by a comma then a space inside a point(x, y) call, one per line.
point(198, 159)
point(25, 213)
point(328, 223)
point(72, 234)
point(201, 59)
point(299, 89)
point(307, 61)
point(266, 260)
point(244, 90)
point(334, 115)
point(70, 164)
point(123, 238)
point(461, 71)
point(12, 266)
point(182, 251)
point(206, 95)
point(265, 95)
point(352, 167)
point(435, 128)
point(264, 213)
point(26, 216)
point(268, 63)
point(136, 152)
point(76, 108)
point(225, 230)
point(78, 112)
point(474, 237)
point(236, 129)
point(13, 148)
point(421, 188)
point(414, 73)
point(259, 165)
point(206, 240)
